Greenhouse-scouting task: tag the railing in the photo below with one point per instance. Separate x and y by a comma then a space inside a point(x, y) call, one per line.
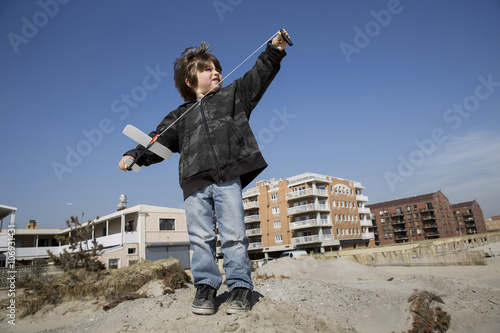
point(361, 197)
point(38, 252)
point(310, 223)
point(252, 218)
point(251, 193)
point(254, 246)
point(357, 185)
point(110, 240)
point(253, 232)
point(364, 210)
point(311, 239)
point(251, 204)
point(368, 235)
point(307, 178)
point(130, 237)
point(306, 192)
point(307, 208)
point(365, 223)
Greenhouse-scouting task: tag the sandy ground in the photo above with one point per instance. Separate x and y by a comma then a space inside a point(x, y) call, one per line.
point(303, 296)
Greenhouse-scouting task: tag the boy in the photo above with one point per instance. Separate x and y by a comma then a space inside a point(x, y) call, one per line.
point(219, 157)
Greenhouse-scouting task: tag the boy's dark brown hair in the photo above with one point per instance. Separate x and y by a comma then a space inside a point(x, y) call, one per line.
point(192, 60)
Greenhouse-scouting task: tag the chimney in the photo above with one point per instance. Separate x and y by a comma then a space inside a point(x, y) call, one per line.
point(31, 224)
point(123, 202)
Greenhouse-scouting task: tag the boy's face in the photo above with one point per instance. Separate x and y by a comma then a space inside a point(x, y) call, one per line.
point(208, 80)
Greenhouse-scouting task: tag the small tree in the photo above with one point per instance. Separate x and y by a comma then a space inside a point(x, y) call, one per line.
point(81, 254)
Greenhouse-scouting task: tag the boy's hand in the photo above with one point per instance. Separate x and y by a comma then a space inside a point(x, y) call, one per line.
point(122, 164)
point(279, 41)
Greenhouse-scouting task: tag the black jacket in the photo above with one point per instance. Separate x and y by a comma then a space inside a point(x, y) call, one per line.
point(214, 139)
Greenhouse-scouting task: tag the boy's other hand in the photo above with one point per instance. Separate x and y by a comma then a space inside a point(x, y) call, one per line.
point(122, 164)
point(279, 41)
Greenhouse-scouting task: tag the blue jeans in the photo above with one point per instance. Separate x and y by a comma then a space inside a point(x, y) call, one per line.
point(225, 201)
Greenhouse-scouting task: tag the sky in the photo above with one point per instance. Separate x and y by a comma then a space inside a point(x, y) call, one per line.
point(402, 96)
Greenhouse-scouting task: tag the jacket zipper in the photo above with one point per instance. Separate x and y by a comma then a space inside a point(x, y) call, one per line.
point(205, 123)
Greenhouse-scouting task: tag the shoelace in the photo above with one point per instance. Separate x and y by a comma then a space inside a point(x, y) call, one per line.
point(240, 294)
point(205, 291)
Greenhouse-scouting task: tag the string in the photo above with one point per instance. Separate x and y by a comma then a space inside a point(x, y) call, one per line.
point(199, 100)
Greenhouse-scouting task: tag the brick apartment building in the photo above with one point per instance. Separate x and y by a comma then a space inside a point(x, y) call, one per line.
point(417, 218)
point(469, 217)
point(309, 212)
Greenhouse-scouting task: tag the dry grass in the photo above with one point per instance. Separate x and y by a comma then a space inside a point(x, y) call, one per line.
point(427, 317)
point(110, 286)
point(266, 276)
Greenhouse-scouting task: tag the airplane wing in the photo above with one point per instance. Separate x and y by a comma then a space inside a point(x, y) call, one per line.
point(147, 142)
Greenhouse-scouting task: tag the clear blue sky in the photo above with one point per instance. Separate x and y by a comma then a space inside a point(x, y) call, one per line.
point(401, 96)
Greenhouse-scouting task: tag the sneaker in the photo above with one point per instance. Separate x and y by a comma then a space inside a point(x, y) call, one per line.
point(239, 300)
point(204, 301)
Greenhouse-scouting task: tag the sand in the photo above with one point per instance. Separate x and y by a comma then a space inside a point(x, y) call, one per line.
point(305, 295)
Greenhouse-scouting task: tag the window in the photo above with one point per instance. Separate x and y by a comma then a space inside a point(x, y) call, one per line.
point(131, 250)
point(278, 238)
point(114, 263)
point(382, 220)
point(104, 232)
point(408, 208)
point(274, 196)
point(276, 210)
point(129, 226)
point(277, 224)
point(167, 224)
point(414, 207)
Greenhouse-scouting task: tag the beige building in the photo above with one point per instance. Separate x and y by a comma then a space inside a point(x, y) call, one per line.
point(493, 224)
point(309, 212)
point(128, 235)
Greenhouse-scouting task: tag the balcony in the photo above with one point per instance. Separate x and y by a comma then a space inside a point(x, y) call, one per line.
point(398, 222)
point(311, 239)
point(307, 208)
point(306, 178)
point(401, 238)
point(363, 210)
point(306, 193)
point(38, 252)
point(358, 185)
point(399, 230)
point(430, 226)
point(397, 214)
point(253, 232)
point(431, 234)
point(255, 246)
point(365, 222)
point(251, 205)
point(310, 223)
point(110, 240)
point(426, 209)
point(427, 217)
point(253, 192)
point(362, 197)
point(252, 218)
point(368, 235)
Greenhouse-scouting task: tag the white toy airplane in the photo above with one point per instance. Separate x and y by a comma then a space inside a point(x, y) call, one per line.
point(148, 143)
